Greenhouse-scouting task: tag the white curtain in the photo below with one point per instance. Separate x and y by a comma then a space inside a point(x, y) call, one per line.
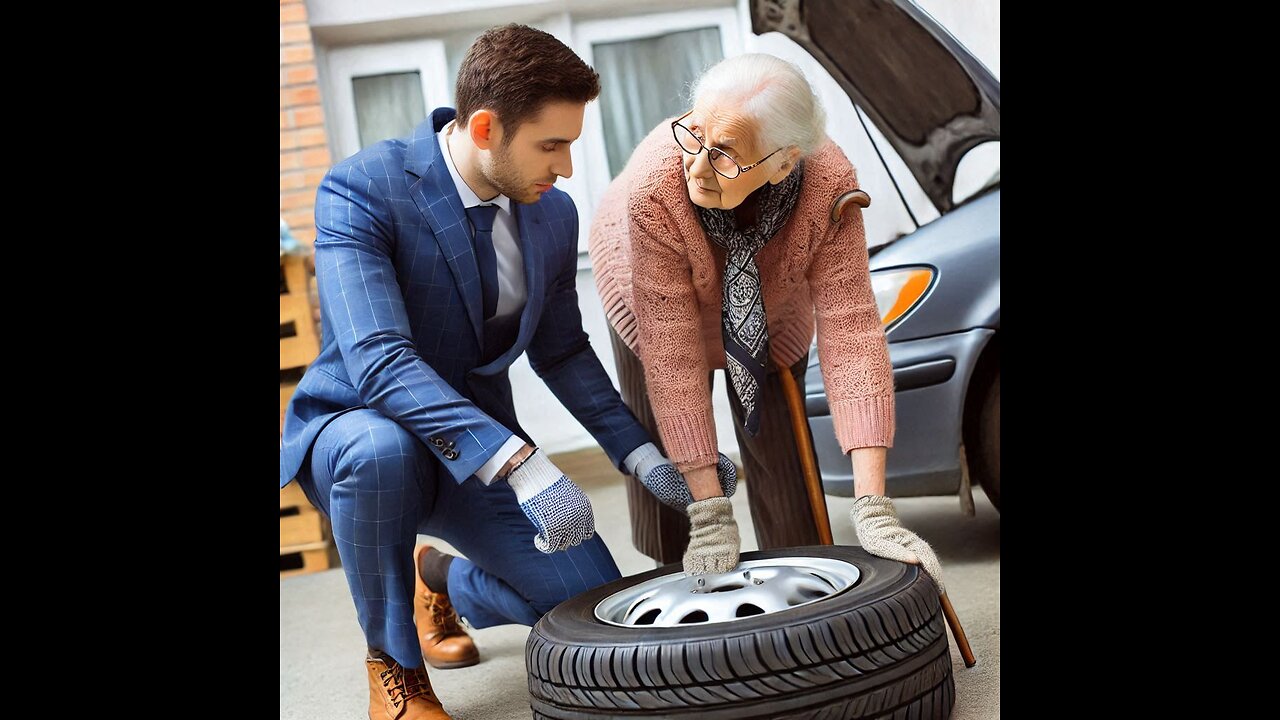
point(645, 81)
point(388, 106)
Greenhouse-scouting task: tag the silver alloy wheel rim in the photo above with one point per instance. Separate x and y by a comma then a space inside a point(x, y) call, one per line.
point(754, 588)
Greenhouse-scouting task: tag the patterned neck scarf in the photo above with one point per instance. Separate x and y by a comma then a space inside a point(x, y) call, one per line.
point(742, 320)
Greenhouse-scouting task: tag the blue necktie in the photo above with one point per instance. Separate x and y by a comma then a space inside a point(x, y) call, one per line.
point(486, 258)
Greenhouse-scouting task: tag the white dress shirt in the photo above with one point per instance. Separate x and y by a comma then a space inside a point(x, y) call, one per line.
point(511, 287)
point(506, 236)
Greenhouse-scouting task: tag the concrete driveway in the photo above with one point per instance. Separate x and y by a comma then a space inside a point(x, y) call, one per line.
point(322, 672)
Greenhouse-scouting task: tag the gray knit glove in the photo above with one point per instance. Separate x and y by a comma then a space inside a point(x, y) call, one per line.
point(876, 523)
point(666, 483)
point(553, 503)
point(713, 537)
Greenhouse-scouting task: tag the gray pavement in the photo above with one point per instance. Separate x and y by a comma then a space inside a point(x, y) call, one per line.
point(322, 674)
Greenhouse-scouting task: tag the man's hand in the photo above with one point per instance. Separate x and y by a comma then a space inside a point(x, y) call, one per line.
point(727, 474)
point(666, 483)
point(714, 542)
point(881, 534)
point(553, 503)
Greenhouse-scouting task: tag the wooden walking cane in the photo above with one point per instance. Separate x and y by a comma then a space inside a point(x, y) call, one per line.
point(804, 445)
point(800, 428)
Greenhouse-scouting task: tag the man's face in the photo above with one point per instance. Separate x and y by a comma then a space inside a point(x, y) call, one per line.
point(526, 165)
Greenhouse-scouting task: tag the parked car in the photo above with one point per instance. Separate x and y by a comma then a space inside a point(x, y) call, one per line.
point(938, 287)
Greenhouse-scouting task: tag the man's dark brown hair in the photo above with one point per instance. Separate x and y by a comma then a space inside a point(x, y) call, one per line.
point(514, 70)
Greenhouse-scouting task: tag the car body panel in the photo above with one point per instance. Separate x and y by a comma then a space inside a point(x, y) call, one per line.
point(925, 458)
point(963, 248)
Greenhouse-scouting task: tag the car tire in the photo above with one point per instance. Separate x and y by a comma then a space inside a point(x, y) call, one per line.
point(876, 649)
point(984, 460)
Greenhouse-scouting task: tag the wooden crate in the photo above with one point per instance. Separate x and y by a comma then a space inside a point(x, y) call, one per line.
point(286, 392)
point(306, 540)
point(309, 558)
point(302, 345)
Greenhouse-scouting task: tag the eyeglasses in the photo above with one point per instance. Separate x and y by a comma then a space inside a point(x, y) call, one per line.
point(724, 165)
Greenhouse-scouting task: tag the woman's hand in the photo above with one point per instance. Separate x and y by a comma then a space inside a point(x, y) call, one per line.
point(880, 533)
point(714, 542)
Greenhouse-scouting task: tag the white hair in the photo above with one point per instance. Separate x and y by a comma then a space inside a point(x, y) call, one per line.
point(772, 91)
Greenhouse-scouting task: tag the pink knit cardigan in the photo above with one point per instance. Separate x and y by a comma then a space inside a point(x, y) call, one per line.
point(659, 277)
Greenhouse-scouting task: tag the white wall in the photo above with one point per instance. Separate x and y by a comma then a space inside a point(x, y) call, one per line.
point(338, 23)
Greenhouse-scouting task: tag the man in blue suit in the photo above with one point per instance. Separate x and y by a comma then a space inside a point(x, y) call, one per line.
point(440, 258)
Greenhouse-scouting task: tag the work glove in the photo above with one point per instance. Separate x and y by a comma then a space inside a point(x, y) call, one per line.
point(553, 503)
point(666, 483)
point(713, 537)
point(881, 534)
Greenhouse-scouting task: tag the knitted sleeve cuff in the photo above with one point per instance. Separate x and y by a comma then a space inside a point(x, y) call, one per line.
point(643, 459)
point(864, 422)
point(690, 439)
point(533, 476)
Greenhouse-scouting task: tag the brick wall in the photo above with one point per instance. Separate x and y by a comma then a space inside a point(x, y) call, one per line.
point(304, 144)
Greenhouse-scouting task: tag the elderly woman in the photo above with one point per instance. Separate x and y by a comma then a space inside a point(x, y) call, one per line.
point(714, 248)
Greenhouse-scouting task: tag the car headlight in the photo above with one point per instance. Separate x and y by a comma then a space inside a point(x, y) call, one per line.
point(899, 290)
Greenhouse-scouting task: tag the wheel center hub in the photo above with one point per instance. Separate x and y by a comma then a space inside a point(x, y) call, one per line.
point(755, 587)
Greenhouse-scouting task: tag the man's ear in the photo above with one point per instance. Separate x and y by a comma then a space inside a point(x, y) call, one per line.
point(791, 155)
point(481, 127)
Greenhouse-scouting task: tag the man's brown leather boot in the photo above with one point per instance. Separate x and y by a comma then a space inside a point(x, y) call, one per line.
point(399, 693)
point(444, 643)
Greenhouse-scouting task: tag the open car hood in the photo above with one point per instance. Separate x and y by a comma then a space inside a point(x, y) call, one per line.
point(929, 96)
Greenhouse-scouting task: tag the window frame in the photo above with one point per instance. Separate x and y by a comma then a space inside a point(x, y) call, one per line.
point(425, 57)
point(635, 27)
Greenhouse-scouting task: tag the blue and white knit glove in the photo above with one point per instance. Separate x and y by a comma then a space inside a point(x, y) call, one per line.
point(666, 483)
point(553, 503)
point(727, 473)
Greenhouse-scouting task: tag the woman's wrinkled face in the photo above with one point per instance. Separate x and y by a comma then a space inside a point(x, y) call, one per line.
point(719, 125)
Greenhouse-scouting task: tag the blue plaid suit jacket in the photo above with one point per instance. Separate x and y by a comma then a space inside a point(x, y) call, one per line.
point(401, 315)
